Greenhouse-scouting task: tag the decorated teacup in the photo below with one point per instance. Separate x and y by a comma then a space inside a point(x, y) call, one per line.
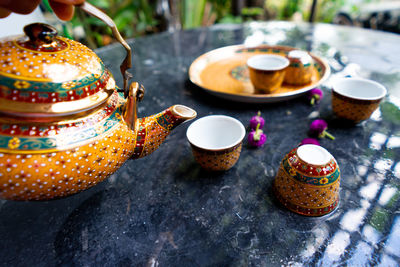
point(267, 72)
point(355, 99)
point(216, 141)
point(308, 181)
point(300, 69)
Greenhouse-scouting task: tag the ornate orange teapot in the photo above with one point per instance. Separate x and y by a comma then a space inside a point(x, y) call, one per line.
point(64, 126)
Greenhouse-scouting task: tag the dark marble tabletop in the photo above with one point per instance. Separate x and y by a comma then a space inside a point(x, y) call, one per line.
point(163, 210)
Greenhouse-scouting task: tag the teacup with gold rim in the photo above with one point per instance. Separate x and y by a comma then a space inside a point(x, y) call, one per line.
point(216, 141)
point(267, 72)
point(300, 69)
point(355, 99)
point(308, 181)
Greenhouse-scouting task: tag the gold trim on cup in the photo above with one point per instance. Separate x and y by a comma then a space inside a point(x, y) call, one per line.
point(355, 99)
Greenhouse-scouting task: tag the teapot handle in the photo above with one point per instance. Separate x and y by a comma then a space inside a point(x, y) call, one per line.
point(127, 63)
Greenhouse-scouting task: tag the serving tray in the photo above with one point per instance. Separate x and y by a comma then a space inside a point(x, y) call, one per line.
point(223, 72)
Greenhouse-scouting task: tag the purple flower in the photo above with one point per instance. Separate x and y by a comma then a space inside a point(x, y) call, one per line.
point(315, 95)
point(256, 137)
point(309, 141)
point(318, 128)
point(257, 120)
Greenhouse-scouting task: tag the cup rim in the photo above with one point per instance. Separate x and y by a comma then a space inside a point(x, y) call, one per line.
point(214, 117)
point(383, 90)
point(285, 62)
point(308, 156)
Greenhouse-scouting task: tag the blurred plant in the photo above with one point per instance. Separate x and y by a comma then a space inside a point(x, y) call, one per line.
point(138, 17)
point(222, 8)
point(277, 9)
point(286, 10)
point(252, 13)
point(132, 17)
point(327, 9)
point(291, 8)
point(197, 13)
point(192, 13)
point(231, 19)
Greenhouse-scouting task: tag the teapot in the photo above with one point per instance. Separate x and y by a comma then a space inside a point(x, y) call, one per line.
point(64, 124)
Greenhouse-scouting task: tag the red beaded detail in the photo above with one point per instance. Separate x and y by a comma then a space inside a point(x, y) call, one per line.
point(75, 93)
point(140, 138)
point(310, 170)
point(51, 130)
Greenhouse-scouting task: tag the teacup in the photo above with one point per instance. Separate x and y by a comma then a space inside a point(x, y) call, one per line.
point(355, 99)
point(267, 72)
point(300, 69)
point(308, 181)
point(216, 141)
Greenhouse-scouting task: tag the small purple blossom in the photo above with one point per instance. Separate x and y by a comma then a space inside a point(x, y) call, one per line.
point(257, 120)
point(318, 128)
point(315, 95)
point(309, 141)
point(256, 138)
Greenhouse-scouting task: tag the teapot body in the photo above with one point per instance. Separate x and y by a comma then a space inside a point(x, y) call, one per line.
point(64, 126)
point(47, 161)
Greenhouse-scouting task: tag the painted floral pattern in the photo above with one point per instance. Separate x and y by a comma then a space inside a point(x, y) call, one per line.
point(22, 84)
point(14, 143)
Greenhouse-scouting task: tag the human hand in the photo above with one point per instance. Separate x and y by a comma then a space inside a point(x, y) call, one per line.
point(64, 9)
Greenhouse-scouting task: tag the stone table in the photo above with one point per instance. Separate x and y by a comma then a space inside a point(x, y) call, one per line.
point(164, 210)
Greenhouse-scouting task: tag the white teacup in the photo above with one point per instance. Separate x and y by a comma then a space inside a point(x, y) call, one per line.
point(216, 141)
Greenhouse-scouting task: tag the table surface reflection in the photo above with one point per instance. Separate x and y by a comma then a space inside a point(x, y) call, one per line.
point(163, 210)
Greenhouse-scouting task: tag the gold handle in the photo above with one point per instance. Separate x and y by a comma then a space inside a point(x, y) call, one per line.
point(127, 63)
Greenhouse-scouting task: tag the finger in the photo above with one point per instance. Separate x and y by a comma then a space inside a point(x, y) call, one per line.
point(4, 12)
point(63, 11)
point(20, 6)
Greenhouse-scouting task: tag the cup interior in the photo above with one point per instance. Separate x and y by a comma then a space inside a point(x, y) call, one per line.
point(268, 62)
point(314, 155)
point(362, 89)
point(215, 132)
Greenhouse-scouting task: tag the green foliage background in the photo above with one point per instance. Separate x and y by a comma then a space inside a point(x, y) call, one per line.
point(139, 17)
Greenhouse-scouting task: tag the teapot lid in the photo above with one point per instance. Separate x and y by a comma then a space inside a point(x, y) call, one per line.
point(44, 75)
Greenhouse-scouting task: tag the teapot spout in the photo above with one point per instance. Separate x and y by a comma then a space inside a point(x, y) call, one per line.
point(152, 130)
